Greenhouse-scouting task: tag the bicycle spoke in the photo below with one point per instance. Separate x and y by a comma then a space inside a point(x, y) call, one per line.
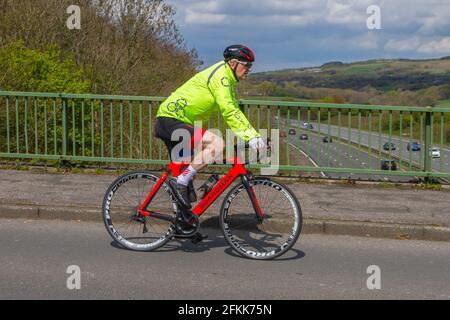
point(125, 221)
point(266, 239)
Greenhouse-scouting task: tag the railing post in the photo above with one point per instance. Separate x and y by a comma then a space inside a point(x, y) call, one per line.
point(428, 146)
point(64, 128)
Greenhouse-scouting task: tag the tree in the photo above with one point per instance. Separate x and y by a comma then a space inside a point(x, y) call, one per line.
point(123, 46)
point(24, 69)
point(267, 88)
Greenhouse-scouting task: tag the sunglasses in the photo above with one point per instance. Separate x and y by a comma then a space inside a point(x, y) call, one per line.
point(246, 64)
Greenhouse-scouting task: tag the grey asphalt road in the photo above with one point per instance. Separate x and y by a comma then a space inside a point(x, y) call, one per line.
point(339, 155)
point(36, 255)
point(376, 141)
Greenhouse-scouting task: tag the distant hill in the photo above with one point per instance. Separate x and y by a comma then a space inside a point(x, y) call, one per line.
point(383, 74)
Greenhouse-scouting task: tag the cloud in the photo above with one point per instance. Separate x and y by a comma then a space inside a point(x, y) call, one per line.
point(301, 32)
point(368, 41)
point(426, 16)
point(441, 46)
point(402, 45)
point(285, 12)
point(420, 45)
point(202, 18)
point(346, 12)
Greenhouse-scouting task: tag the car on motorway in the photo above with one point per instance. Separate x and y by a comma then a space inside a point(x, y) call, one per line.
point(389, 146)
point(307, 125)
point(327, 139)
point(283, 134)
point(388, 165)
point(303, 136)
point(413, 146)
point(291, 131)
point(435, 153)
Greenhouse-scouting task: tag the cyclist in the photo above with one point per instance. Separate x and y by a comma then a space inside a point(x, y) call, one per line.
point(208, 91)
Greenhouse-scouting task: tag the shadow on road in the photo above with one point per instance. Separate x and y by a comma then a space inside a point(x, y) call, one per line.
point(214, 240)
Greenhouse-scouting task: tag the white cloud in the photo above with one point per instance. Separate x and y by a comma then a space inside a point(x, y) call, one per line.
point(312, 30)
point(402, 45)
point(436, 21)
point(441, 46)
point(419, 44)
point(286, 12)
point(196, 17)
point(426, 16)
point(289, 5)
point(346, 12)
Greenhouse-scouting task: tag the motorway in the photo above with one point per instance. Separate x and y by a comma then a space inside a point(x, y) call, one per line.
point(36, 256)
point(341, 154)
point(374, 140)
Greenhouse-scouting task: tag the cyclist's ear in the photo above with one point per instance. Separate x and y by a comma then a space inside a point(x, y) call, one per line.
point(232, 63)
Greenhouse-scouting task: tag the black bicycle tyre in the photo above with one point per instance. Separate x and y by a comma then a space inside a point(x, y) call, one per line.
point(228, 233)
point(109, 223)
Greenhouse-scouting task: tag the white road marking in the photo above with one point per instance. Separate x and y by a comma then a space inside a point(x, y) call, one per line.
point(310, 159)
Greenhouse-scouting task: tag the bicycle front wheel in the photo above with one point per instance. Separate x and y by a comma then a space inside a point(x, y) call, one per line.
point(266, 239)
point(123, 220)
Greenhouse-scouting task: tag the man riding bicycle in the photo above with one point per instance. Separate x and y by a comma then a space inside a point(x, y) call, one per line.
point(208, 91)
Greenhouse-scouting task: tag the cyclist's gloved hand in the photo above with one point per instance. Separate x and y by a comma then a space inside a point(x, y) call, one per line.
point(256, 143)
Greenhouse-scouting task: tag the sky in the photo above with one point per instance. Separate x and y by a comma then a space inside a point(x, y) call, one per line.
point(306, 33)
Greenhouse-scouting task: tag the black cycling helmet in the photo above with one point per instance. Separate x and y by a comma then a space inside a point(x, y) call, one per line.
point(240, 52)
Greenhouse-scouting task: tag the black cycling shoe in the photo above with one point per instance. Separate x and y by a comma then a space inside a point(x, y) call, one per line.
point(196, 238)
point(191, 190)
point(181, 193)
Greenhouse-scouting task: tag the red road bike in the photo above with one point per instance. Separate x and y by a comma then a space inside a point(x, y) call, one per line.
point(260, 218)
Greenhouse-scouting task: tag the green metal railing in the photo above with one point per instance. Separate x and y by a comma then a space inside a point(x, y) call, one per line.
point(119, 129)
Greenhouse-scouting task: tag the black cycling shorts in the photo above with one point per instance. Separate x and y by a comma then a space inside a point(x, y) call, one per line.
point(166, 126)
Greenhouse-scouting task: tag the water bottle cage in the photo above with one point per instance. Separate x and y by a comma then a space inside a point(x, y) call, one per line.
point(204, 190)
point(207, 186)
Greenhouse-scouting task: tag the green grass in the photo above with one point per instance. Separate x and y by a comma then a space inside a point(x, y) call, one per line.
point(443, 103)
point(364, 69)
point(383, 75)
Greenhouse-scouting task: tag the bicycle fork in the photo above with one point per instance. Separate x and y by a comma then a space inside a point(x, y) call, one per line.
point(253, 199)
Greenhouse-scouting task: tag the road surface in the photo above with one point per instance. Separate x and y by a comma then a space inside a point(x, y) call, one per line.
point(39, 259)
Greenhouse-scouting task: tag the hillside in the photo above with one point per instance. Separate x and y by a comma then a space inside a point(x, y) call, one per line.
point(392, 82)
point(384, 75)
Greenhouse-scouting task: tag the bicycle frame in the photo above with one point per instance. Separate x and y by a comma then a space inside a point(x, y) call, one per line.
point(238, 170)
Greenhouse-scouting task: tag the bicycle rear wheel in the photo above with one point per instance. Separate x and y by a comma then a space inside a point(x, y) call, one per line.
point(124, 222)
point(279, 229)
